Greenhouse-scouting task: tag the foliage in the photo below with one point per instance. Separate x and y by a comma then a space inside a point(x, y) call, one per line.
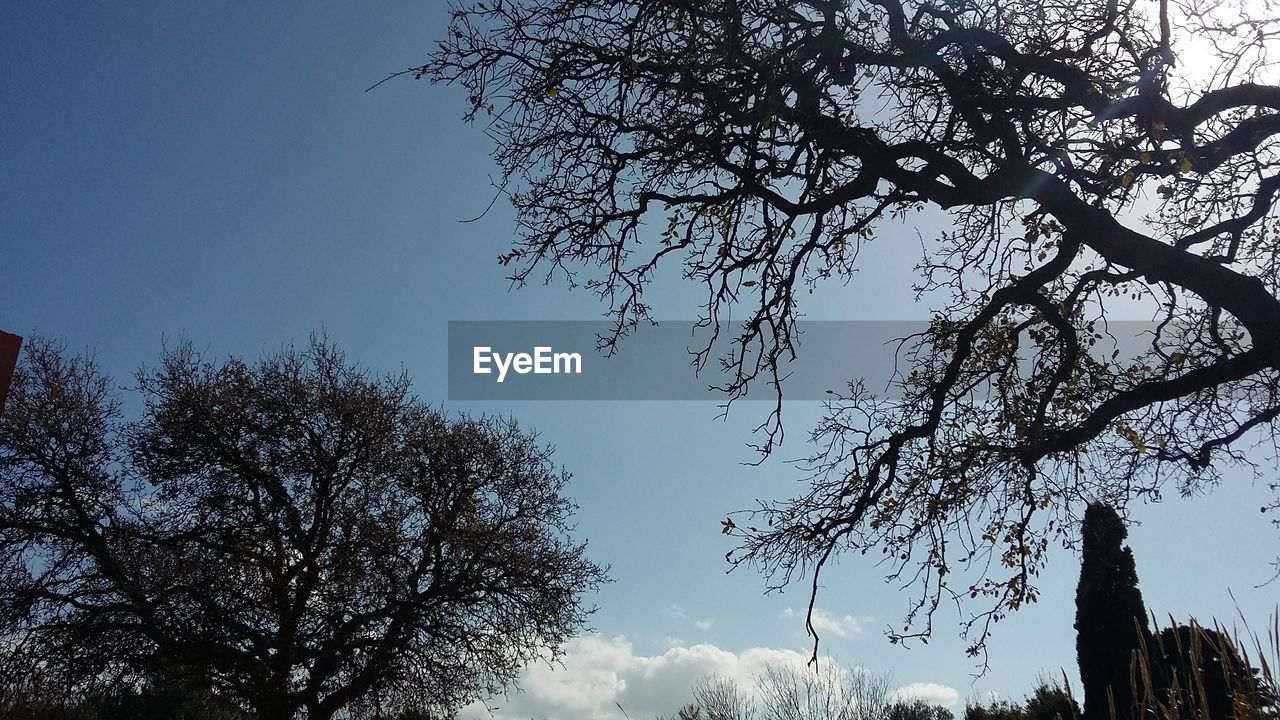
point(1092, 158)
point(1051, 701)
point(917, 709)
point(994, 710)
point(295, 534)
point(1111, 620)
point(1048, 701)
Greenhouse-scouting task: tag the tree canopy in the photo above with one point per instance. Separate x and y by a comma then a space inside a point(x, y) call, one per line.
point(1087, 154)
point(294, 534)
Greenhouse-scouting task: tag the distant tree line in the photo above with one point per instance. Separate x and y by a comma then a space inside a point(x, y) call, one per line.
point(824, 692)
point(1048, 701)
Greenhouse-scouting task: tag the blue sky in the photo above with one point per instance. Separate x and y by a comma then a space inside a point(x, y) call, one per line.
point(218, 172)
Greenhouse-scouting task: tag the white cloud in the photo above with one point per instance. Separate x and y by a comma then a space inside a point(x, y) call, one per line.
point(933, 693)
point(840, 626)
point(674, 610)
point(600, 673)
point(825, 623)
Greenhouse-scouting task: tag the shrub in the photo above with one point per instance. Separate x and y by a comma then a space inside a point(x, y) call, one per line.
point(917, 710)
point(1196, 673)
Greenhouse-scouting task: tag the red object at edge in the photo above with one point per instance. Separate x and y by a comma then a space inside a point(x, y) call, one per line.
point(9, 345)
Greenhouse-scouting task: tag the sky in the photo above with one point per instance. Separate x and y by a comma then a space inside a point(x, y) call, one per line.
point(217, 172)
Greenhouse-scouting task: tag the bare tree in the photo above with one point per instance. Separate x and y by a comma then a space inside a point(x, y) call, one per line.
point(295, 534)
point(1086, 154)
point(718, 698)
point(825, 691)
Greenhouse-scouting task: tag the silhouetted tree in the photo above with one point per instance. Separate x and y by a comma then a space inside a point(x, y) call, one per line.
point(1086, 154)
point(295, 534)
point(158, 703)
point(917, 709)
point(1048, 701)
point(1051, 701)
point(994, 710)
point(1111, 620)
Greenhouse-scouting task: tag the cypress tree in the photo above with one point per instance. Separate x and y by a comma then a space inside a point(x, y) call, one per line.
point(1111, 621)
